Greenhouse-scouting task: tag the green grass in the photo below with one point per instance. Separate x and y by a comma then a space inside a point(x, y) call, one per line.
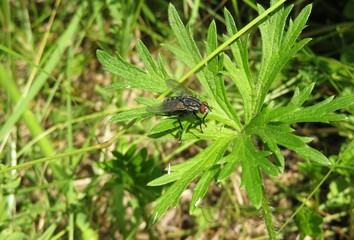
point(82, 159)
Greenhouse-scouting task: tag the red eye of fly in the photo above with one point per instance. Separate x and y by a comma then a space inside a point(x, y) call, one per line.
point(203, 108)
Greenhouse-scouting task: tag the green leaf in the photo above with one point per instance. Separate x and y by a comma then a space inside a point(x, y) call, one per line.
point(277, 154)
point(165, 179)
point(300, 97)
point(239, 48)
point(176, 172)
point(239, 72)
point(241, 81)
point(215, 79)
point(202, 187)
point(12, 184)
point(203, 161)
point(157, 74)
point(278, 46)
point(282, 136)
point(187, 50)
point(162, 69)
point(231, 161)
point(146, 101)
point(130, 114)
point(251, 161)
point(295, 27)
point(134, 76)
point(83, 223)
point(309, 223)
point(251, 178)
point(320, 112)
point(312, 154)
point(166, 128)
point(184, 38)
point(211, 45)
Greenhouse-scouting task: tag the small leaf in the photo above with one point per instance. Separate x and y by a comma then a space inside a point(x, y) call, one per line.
point(251, 180)
point(312, 154)
point(202, 187)
point(231, 161)
point(165, 179)
point(162, 69)
point(291, 141)
point(309, 223)
point(139, 113)
point(320, 112)
point(241, 81)
point(211, 45)
point(153, 70)
point(12, 184)
point(165, 128)
point(278, 47)
point(134, 76)
point(278, 156)
point(300, 97)
point(204, 160)
point(146, 101)
point(251, 160)
point(184, 37)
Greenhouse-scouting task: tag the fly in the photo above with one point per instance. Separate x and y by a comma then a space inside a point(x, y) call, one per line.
point(181, 106)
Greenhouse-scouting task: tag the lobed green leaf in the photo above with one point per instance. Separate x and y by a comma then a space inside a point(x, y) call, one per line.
point(184, 37)
point(130, 114)
point(285, 138)
point(134, 76)
point(202, 186)
point(215, 80)
point(203, 161)
point(156, 74)
point(231, 161)
point(300, 97)
point(167, 128)
point(278, 46)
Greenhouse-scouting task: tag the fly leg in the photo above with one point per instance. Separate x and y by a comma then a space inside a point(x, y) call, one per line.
point(180, 124)
point(200, 121)
point(204, 119)
point(179, 121)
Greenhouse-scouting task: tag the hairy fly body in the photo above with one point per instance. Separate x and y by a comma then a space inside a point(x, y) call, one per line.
point(181, 105)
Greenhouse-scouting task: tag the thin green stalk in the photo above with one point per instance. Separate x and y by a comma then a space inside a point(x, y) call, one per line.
point(61, 126)
point(53, 61)
point(231, 40)
point(267, 215)
point(71, 153)
point(69, 129)
point(28, 117)
point(307, 199)
point(69, 140)
point(226, 44)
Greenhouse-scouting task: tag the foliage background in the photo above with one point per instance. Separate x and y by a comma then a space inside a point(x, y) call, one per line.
point(49, 72)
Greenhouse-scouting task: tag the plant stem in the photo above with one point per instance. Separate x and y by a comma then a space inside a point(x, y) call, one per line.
point(268, 216)
point(232, 39)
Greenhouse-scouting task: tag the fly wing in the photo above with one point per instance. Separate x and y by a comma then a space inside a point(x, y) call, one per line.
point(157, 109)
point(170, 106)
point(177, 87)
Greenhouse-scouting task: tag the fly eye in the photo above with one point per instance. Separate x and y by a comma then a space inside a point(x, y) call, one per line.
point(202, 109)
